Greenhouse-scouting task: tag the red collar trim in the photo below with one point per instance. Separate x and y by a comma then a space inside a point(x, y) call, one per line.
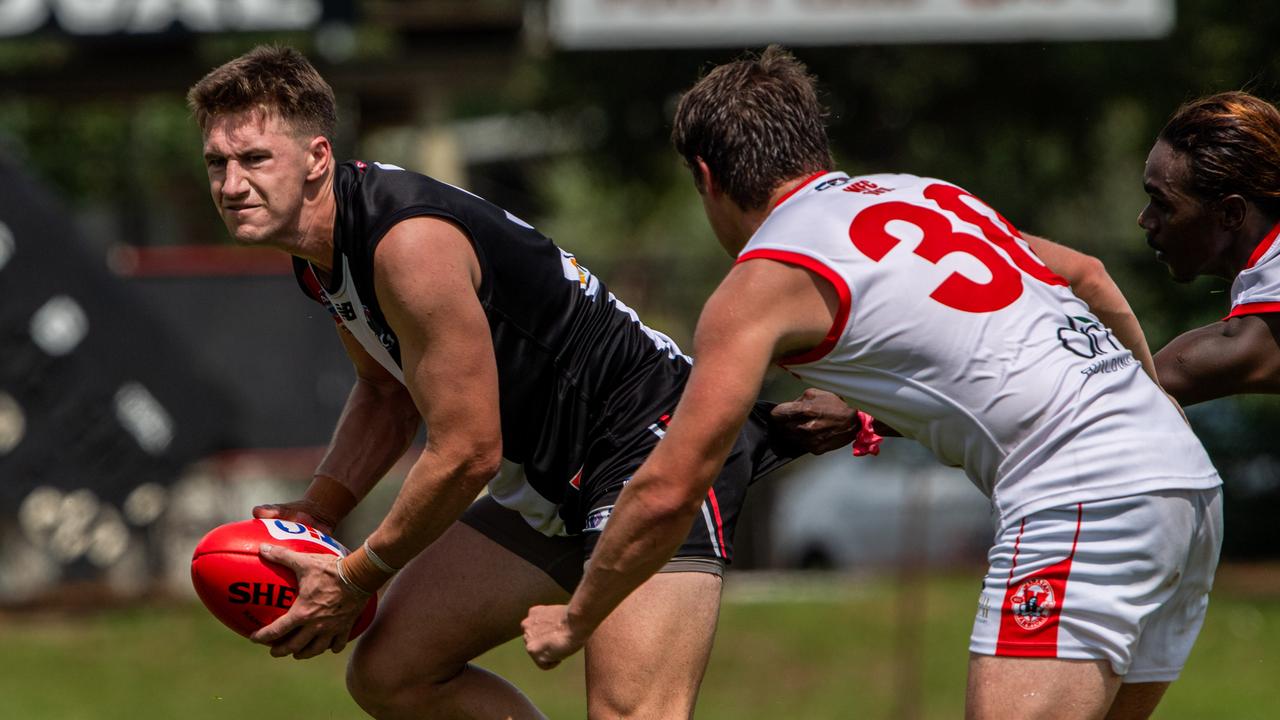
point(1263, 246)
point(1258, 308)
point(800, 187)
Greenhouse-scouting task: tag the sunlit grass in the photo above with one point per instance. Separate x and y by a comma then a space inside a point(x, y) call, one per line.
point(788, 647)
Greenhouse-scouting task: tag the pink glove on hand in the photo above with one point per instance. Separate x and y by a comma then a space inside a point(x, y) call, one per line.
point(868, 440)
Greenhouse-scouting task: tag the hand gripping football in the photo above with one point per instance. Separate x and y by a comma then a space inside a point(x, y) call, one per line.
point(247, 593)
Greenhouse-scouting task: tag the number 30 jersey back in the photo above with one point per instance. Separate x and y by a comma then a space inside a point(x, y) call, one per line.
point(952, 331)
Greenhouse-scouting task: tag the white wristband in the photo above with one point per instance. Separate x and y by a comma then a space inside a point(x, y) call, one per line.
point(377, 561)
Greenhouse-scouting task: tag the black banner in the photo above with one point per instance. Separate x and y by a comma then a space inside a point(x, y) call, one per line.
point(94, 391)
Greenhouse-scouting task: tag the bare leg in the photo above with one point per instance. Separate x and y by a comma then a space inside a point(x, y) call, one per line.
point(1136, 701)
point(1045, 688)
point(648, 658)
point(464, 595)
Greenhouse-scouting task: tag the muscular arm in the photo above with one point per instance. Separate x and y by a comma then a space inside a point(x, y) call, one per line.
point(761, 311)
point(1091, 283)
point(451, 374)
point(425, 275)
point(1236, 356)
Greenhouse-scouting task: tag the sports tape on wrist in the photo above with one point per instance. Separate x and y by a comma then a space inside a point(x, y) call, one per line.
point(379, 562)
point(361, 571)
point(346, 581)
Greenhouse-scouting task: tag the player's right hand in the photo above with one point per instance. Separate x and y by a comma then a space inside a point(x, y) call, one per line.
point(548, 636)
point(322, 615)
point(307, 512)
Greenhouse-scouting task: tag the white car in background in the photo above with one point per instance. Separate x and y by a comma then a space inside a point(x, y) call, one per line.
point(900, 508)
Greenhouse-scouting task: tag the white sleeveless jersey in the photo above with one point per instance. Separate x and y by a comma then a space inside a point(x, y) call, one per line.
point(1256, 289)
point(954, 333)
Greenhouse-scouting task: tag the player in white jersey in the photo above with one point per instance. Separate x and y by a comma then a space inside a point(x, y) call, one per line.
point(1214, 182)
point(919, 303)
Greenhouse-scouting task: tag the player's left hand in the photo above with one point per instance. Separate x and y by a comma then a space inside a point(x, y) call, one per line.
point(307, 512)
point(815, 422)
point(322, 615)
point(548, 638)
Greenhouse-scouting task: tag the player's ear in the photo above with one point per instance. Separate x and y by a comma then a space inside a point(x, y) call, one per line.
point(1232, 211)
point(702, 177)
point(319, 157)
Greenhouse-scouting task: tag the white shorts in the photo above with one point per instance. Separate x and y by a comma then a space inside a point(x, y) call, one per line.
point(1125, 580)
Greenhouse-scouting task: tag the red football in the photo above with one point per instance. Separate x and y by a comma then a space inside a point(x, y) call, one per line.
point(247, 593)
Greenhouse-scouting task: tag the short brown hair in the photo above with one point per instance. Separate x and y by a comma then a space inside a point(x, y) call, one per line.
point(756, 122)
point(271, 77)
point(1232, 143)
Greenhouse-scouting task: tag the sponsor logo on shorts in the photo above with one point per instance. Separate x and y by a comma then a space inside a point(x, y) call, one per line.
point(596, 520)
point(1032, 603)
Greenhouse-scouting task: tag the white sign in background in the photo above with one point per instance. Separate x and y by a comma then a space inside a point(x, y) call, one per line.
point(103, 17)
point(621, 24)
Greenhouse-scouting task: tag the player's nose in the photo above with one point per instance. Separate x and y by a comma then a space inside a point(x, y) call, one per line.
point(1144, 218)
point(234, 182)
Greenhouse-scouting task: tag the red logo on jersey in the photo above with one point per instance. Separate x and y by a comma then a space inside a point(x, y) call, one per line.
point(866, 187)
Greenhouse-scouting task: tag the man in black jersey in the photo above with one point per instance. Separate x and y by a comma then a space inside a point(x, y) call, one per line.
point(456, 313)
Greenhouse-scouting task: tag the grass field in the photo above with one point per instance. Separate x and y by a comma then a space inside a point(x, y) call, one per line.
point(788, 647)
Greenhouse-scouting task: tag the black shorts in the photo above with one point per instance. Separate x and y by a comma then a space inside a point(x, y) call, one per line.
point(709, 545)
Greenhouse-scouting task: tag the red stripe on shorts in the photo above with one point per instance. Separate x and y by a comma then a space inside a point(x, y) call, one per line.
point(1032, 606)
point(715, 510)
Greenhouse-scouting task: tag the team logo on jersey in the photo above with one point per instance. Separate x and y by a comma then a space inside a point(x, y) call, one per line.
point(1032, 603)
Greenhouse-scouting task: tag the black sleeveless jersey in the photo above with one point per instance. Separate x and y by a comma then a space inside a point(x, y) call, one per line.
point(567, 350)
